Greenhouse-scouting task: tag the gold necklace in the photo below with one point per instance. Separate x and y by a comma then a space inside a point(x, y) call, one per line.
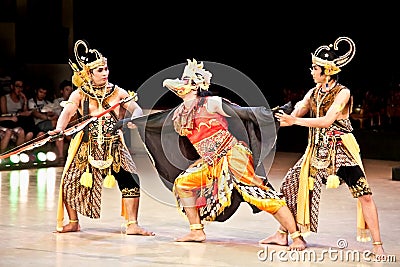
point(100, 136)
point(320, 100)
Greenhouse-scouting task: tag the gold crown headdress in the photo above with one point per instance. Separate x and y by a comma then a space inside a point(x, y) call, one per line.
point(87, 59)
point(322, 54)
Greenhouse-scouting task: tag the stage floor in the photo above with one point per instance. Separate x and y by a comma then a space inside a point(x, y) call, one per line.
point(28, 204)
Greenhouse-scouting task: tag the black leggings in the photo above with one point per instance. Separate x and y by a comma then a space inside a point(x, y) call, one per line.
point(128, 183)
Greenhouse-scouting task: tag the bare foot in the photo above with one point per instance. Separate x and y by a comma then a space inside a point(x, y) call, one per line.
point(193, 236)
point(278, 238)
point(298, 244)
point(135, 229)
point(378, 250)
point(71, 227)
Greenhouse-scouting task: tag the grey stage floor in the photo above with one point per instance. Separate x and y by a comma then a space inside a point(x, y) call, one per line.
point(28, 203)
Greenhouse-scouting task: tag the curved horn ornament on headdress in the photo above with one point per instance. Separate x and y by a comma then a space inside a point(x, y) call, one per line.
point(78, 58)
point(91, 58)
point(87, 60)
point(333, 66)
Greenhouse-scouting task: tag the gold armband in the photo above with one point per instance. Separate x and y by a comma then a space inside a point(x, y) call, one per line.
point(64, 103)
point(338, 107)
point(300, 105)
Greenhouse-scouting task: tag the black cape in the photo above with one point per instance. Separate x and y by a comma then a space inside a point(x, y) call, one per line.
point(171, 153)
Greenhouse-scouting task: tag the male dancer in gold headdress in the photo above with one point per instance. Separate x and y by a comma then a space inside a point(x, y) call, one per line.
point(332, 155)
point(97, 152)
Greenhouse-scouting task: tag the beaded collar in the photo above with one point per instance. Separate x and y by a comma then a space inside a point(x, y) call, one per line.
point(98, 92)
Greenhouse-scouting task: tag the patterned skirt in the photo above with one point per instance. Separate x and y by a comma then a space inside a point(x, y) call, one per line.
point(87, 200)
point(342, 161)
point(210, 187)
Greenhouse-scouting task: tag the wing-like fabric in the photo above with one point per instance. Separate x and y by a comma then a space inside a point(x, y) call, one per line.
point(171, 154)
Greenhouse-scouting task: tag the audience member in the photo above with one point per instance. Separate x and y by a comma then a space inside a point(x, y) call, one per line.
point(5, 136)
point(42, 112)
point(15, 135)
point(45, 117)
point(66, 89)
point(15, 104)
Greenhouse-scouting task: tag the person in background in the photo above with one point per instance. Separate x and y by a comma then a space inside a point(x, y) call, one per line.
point(66, 88)
point(7, 135)
point(332, 156)
point(45, 117)
point(15, 106)
point(97, 155)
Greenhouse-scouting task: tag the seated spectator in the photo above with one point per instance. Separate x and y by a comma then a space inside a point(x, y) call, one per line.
point(7, 135)
point(43, 113)
point(14, 106)
point(66, 89)
point(45, 117)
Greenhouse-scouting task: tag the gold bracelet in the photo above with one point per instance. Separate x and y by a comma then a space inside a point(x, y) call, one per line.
point(377, 243)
